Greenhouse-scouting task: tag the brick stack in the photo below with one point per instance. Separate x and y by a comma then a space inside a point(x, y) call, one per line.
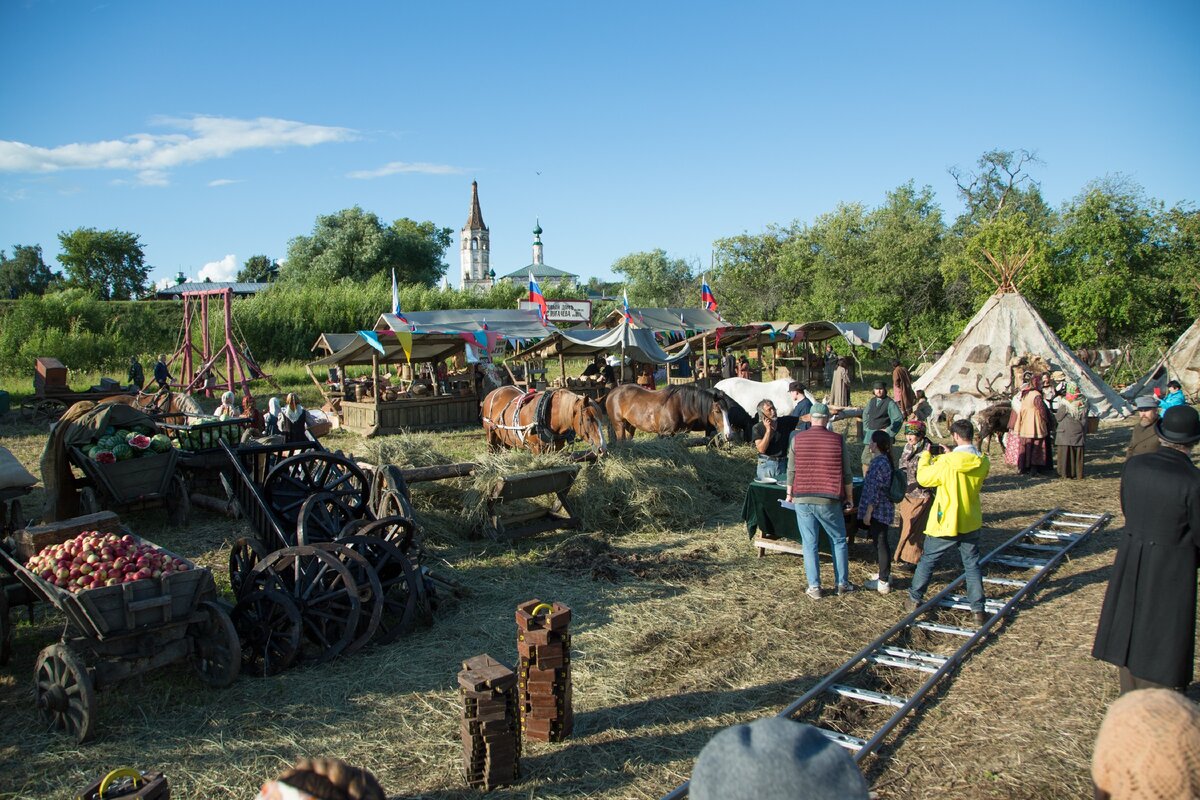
point(544, 647)
point(490, 723)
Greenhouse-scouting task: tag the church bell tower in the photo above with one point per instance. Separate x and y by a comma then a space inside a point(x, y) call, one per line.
point(475, 250)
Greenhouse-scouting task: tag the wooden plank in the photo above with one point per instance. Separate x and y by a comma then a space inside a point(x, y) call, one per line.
point(34, 538)
point(535, 484)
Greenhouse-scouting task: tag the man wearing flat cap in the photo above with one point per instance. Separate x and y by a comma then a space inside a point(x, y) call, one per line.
point(881, 414)
point(1148, 621)
point(1145, 437)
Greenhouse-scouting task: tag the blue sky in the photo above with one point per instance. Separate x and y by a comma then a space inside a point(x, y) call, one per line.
point(220, 130)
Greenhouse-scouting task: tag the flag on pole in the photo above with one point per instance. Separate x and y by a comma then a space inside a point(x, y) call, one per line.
point(396, 300)
point(536, 296)
point(707, 299)
point(628, 316)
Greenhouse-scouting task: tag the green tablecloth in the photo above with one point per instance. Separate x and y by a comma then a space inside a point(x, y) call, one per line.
point(761, 512)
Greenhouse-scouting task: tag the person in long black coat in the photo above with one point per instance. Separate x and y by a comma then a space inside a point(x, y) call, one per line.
point(1148, 621)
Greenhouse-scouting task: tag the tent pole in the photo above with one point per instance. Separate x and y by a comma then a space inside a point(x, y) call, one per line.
point(562, 365)
point(375, 382)
point(708, 378)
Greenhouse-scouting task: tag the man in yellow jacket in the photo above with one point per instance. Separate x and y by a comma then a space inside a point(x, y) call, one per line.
point(956, 517)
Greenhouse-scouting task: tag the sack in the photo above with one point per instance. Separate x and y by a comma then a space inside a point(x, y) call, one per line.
point(898, 485)
point(12, 474)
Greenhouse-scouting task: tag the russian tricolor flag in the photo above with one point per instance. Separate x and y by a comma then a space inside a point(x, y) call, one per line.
point(396, 302)
point(707, 299)
point(628, 316)
point(536, 296)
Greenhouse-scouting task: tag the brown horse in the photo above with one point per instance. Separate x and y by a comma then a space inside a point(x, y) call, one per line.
point(509, 419)
point(164, 405)
point(672, 410)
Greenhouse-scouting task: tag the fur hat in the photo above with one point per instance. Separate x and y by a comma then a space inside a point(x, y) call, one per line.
point(775, 759)
point(1149, 747)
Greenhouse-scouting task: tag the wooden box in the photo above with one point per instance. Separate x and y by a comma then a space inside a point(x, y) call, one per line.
point(121, 785)
point(49, 374)
point(31, 540)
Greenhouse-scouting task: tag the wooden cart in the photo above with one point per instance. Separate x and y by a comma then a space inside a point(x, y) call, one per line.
point(52, 396)
point(136, 483)
point(116, 632)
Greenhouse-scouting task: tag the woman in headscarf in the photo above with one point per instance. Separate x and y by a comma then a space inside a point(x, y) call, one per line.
point(1032, 427)
point(1012, 442)
point(294, 420)
point(251, 412)
point(271, 421)
point(839, 389)
point(228, 408)
point(1071, 414)
point(913, 510)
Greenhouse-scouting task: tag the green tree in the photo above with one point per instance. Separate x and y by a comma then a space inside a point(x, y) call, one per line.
point(748, 275)
point(1107, 264)
point(24, 273)
point(420, 251)
point(258, 269)
point(653, 279)
point(110, 264)
point(1000, 184)
point(355, 244)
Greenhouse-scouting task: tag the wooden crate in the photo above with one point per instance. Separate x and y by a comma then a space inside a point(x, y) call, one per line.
point(132, 479)
point(49, 373)
point(33, 539)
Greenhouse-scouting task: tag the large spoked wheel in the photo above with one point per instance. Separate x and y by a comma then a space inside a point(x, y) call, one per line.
point(217, 652)
point(48, 410)
point(397, 580)
point(322, 518)
point(324, 590)
point(295, 479)
point(269, 626)
point(65, 699)
point(397, 529)
point(389, 478)
point(370, 592)
point(243, 557)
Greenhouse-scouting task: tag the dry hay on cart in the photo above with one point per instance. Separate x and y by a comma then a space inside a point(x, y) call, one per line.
point(678, 631)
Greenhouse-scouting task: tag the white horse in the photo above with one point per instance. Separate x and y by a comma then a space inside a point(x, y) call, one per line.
point(748, 394)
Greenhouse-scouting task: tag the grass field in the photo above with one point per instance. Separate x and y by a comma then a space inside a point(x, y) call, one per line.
point(679, 630)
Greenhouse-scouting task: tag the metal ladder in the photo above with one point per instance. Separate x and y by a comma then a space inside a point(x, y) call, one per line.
point(1036, 550)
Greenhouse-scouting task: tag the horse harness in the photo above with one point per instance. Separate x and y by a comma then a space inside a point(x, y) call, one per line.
point(541, 418)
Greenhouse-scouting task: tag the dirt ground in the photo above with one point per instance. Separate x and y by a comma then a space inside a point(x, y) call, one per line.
point(677, 633)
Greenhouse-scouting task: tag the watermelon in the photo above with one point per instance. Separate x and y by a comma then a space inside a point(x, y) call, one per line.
point(105, 457)
point(126, 434)
point(144, 430)
point(109, 430)
point(93, 450)
point(140, 444)
point(123, 452)
point(160, 443)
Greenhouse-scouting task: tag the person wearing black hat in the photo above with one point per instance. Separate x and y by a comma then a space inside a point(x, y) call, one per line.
point(1145, 437)
point(881, 414)
point(1148, 620)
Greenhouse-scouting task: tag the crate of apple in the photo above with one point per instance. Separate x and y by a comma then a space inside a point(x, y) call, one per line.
point(93, 559)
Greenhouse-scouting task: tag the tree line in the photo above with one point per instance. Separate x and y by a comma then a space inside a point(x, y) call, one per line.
point(1110, 267)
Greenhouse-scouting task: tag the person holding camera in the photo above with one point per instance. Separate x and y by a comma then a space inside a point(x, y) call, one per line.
point(956, 517)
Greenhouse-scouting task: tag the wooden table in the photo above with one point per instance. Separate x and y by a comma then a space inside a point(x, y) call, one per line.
point(775, 525)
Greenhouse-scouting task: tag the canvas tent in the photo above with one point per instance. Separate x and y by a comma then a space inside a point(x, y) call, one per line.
point(1004, 327)
point(507, 323)
point(1180, 363)
point(638, 344)
point(662, 320)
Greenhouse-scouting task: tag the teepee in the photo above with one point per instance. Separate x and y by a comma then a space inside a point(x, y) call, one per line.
point(1007, 327)
point(1181, 363)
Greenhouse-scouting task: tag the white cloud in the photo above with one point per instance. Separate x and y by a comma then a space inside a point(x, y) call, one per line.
point(396, 167)
point(151, 156)
point(165, 283)
point(223, 182)
point(224, 270)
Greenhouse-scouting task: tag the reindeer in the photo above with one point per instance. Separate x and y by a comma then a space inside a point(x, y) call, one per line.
point(961, 405)
point(992, 424)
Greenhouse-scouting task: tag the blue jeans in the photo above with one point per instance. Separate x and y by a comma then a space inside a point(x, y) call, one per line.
point(967, 545)
point(828, 516)
point(770, 467)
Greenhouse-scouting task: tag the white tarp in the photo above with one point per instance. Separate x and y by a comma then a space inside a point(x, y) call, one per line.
point(508, 323)
point(1180, 363)
point(638, 344)
point(1004, 327)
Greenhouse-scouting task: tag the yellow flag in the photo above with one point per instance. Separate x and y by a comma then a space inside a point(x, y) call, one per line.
point(405, 338)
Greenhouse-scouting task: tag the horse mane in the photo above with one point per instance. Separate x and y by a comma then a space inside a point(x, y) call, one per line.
point(693, 400)
point(187, 404)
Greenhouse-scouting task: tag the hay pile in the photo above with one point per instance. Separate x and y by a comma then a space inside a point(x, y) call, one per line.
point(654, 484)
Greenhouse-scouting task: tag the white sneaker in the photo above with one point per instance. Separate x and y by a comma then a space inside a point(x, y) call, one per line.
point(814, 592)
point(883, 587)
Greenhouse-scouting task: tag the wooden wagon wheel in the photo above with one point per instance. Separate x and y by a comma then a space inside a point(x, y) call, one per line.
point(393, 504)
point(324, 590)
point(322, 517)
point(399, 530)
point(291, 481)
point(397, 579)
point(388, 477)
point(269, 626)
point(179, 505)
point(65, 698)
point(217, 652)
point(370, 592)
point(243, 557)
point(5, 629)
point(49, 410)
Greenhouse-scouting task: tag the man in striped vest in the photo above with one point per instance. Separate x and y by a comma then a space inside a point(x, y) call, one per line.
point(819, 485)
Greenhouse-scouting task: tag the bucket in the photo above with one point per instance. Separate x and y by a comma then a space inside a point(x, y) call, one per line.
point(1093, 424)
